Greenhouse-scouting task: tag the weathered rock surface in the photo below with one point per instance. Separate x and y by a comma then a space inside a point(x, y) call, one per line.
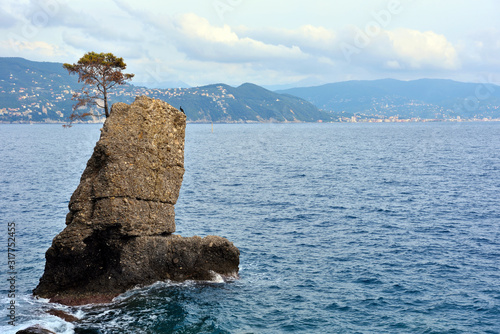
point(119, 228)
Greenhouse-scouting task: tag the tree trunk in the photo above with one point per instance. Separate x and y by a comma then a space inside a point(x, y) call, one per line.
point(106, 111)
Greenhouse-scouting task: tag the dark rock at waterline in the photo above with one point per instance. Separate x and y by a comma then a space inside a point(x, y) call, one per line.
point(145, 260)
point(37, 329)
point(63, 315)
point(119, 228)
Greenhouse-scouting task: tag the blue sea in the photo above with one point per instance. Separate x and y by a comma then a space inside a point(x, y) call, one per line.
point(342, 228)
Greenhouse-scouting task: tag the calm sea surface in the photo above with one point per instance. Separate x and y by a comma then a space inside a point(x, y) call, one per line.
point(342, 228)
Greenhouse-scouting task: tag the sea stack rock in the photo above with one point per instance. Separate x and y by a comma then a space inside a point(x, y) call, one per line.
point(119, 228)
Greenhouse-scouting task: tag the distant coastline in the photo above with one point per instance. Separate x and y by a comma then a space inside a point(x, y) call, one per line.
point(347, 120)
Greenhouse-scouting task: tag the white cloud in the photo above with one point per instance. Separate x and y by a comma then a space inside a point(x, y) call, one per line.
point(308, 38)
point(30, 49)
point(195, 27)
point(416, 50)
point(200, 40)
point(397, 50)
point(401, 50)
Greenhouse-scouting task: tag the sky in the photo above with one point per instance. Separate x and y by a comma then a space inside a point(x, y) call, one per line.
point(273, 43)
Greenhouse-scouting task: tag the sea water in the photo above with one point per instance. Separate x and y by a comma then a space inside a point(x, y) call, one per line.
point(342, 228)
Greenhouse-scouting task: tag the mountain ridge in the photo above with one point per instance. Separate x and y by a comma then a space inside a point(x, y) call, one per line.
point(425, 98)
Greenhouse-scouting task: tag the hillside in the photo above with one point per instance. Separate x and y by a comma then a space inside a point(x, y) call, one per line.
point(41, 92)
point(246, 103)
point(34, 91)
point(425, 98)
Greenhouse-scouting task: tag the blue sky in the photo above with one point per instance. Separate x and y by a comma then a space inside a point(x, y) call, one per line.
point(273, 42)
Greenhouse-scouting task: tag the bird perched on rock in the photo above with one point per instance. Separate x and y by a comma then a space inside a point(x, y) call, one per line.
point(182, 110)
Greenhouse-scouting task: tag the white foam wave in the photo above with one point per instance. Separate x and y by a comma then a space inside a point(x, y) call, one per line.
point(32, 311)
point(50, 322)
point(216, 277)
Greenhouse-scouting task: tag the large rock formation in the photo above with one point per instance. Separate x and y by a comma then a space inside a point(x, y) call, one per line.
point(119, 228)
